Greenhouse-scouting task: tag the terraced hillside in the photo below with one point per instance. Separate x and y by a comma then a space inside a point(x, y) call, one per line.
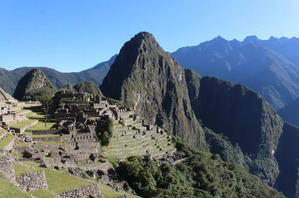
point(131, 138)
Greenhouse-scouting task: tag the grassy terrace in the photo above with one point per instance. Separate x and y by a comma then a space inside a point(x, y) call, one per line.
point(40, 126)
point(58, 181)
point(21, 123)
point(42, 135)
point(6, 140)
point(9, 190)
point(43, 194)
point(123, 145)
point(1, 132)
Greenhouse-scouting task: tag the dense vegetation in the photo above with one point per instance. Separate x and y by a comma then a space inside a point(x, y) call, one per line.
point(88, 87)
point(200, 174)
point(104, 130)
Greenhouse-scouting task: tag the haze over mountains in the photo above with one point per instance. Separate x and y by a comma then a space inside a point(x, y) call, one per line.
point(269, 67)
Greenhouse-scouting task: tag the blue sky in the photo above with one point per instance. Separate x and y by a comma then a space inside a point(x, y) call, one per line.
point(73, 35)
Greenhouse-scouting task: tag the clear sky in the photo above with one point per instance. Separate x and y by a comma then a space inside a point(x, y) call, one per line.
point(73, 35)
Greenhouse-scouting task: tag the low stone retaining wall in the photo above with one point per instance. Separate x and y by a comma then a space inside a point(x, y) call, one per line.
point(85, 191)
point(23, 129)
point(32, 181)
point(7, 169)
point(10, 145)
point(55, 138)
point(36, 132)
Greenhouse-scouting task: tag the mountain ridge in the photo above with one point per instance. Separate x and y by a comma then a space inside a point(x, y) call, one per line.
point(10, 78)
point(245, 62)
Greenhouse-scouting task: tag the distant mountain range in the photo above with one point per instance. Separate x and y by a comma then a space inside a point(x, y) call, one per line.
point(9, 79)
point(270, 67)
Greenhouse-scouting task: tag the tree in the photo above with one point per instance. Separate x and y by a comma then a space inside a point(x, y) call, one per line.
point(45, 100)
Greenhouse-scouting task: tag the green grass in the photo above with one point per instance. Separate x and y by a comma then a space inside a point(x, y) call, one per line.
point(41, 136)
point(109, 192)
point(22, 144)
point(42, 194)
point(8, 190)
point(1, 132)
point(38, 116)
point(6, 140)
point(59, 181)
point(40, 126)
point(21, 123)
point(22, 170)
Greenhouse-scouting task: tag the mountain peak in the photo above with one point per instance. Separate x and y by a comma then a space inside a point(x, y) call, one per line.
point(219, 39)
point(35, 83)
point(250, 39)
point(143, 35)
point(141, 41)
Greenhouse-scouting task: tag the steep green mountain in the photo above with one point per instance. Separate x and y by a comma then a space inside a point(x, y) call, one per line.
point(33, 85)
point(152, 83)
point(9, 79)
point(290, 113)
point(88, 87)
point(240, 115)
point(257, 67)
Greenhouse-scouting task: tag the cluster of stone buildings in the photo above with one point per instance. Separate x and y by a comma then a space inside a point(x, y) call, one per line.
point(7, 116)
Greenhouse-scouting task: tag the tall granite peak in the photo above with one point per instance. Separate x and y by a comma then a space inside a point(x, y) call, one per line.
point(34, 84)
point(150, 81)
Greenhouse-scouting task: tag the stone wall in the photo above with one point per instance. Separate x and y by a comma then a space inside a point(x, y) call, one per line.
point(7, 169)
point(54, 138)
point(22, 129)
point(32, 181)
point(85, 191)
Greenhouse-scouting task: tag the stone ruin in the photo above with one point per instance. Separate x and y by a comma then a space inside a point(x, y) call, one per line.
point(6, 115)
point(32, 181)
point(7, 169)
point(91, 191)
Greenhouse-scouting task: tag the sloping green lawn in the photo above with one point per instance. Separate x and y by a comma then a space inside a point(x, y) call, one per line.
point(59, 181)
point(6, 140)
point(40, 126)
point(42, 194)
point(8, 190)
point(21, 123)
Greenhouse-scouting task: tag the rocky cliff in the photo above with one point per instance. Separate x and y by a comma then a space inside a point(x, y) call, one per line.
point(243, 117)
